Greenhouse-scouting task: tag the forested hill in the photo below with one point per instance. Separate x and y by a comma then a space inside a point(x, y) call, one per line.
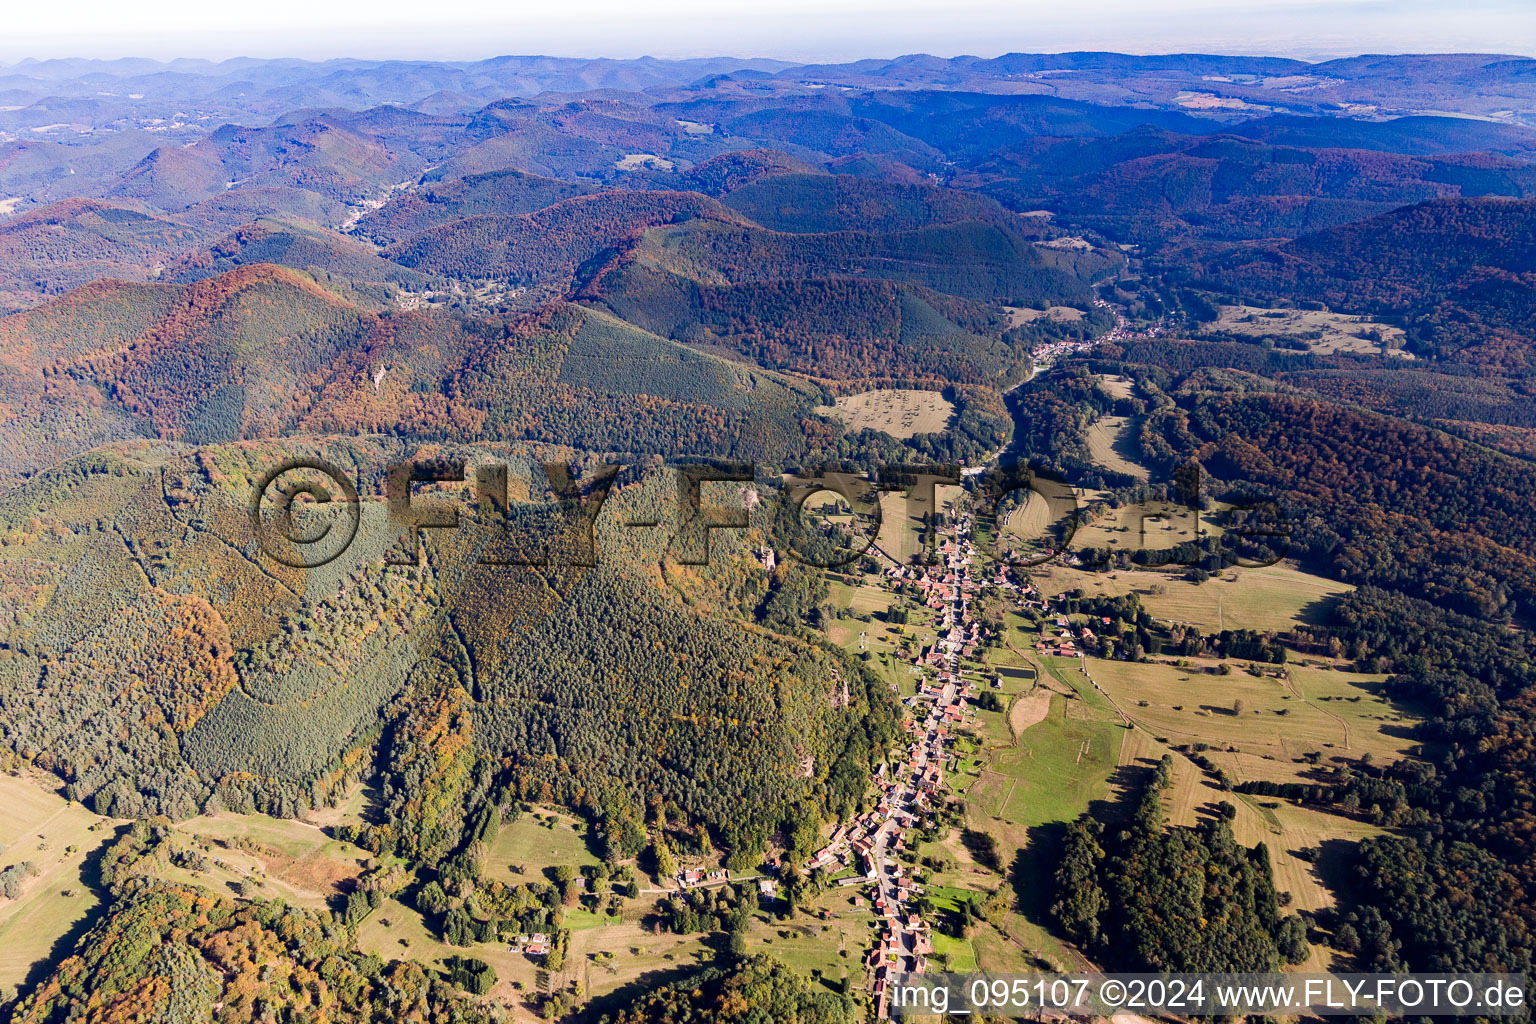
point(1376, 500)
point(1458, 273)
point(597, 688)
point(262, 351)
point(551, 244)
point(1159, 187)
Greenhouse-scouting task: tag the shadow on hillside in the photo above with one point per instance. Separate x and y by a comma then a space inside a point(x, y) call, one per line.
point(645, 984)
point(1034, 870)
point(90, 876)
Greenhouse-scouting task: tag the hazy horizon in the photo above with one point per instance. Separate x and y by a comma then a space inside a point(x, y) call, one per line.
point(798, 31)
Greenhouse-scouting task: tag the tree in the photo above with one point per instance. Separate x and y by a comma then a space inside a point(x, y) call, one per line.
point(470, 974)
point(661, 854)
point(1291, 940)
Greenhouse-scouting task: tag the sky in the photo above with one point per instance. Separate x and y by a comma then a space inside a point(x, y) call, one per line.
point(799, 30)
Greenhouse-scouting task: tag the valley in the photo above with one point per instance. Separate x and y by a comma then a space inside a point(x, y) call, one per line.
point(416, 604)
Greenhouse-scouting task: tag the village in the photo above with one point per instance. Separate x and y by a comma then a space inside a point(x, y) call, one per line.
point(912, 786)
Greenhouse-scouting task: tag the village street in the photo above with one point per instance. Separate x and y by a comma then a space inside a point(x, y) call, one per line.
point(914, 784)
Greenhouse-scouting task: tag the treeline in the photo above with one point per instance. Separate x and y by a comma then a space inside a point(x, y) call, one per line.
point(550, 244)
point(1458, 893)
point(1368, 499)
point(1145, 897)
point(758, 989)
point(165, 951)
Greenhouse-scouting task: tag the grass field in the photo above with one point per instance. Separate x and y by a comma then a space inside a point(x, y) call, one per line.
point(901, 524)
point(38, 825)
point(1146, 526)
point(1048, 758)
point(1059, 766)
point(640, 959)
point(817, 948)
point(1116, 385)
point(397, 932)
point(901, 414)
point(1025, 531)
point(542, 839)
point(635, 161)
point(1279, 721)
point(1110, 441)
point(1336, 332)
point(1029, 520)
point(870, 598)
point(1287, 831)
point(1023, 314)
point(297, 862)
point(1275, 597)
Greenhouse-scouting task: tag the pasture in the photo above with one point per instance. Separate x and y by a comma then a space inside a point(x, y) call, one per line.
point(1145, 526)
point(901, 534)
point(899, 413)
point(1322, 331)
point(290, 860)
point(1275, 597)
point(57, 837)
point(1055, 769)
point(1258, 727)
point(1111, 441)
point(1018, 315)
point(541, 839)
point(819, 949)
point(1117, 386)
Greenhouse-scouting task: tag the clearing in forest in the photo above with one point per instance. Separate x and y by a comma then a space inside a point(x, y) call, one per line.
point(1320, 330)
point(902, 414)
point(1111, 442)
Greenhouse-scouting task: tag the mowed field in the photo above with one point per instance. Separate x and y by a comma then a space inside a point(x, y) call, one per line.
point(901, 414)
point(1275, 597)
point(1338, 332)
point(855, 634)
point(901, 524)
point(1116, 385)
point(542, 839)
point(39, 825)
point(1259, 727)
point(1146, 526)
point(1018, 315)
point(1110, 441)
point(1287, 830)
point(1025, 532)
